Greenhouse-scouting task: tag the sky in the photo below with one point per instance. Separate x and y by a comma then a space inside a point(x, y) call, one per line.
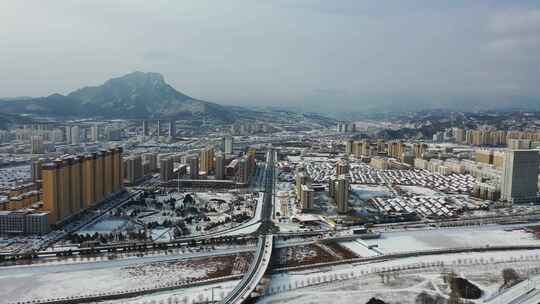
point(309, 54)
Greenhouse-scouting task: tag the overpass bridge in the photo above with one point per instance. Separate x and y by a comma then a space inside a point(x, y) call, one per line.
point(258, 267)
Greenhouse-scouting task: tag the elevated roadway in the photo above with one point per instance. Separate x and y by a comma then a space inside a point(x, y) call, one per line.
point(258, 267)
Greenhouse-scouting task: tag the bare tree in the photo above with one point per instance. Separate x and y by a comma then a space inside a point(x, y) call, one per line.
point(510, 277)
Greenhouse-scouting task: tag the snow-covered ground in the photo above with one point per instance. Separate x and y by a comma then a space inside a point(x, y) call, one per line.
point(359, 282)
point(253, 224)
point(359, 248)
point(391, 242)
point(39, 282)
point(106, 225)
point(199, 294)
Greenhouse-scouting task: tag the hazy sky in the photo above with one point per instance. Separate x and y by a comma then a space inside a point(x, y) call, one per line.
point(295, 52)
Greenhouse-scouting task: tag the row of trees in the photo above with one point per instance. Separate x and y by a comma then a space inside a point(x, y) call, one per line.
point(104, 238)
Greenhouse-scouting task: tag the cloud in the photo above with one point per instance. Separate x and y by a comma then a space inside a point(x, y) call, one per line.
point(257, 52)
point(515, 30)
point(514, 21)
point(528, 42)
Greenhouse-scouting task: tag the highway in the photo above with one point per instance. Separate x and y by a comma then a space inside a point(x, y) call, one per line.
point(258, 267)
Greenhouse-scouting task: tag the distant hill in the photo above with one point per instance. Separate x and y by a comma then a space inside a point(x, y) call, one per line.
point(135, 95)
point(8, 120)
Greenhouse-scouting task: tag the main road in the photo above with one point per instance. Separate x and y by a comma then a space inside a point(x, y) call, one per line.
point(251, 279)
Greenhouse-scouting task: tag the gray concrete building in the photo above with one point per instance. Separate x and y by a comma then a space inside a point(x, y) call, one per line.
point(519, 182)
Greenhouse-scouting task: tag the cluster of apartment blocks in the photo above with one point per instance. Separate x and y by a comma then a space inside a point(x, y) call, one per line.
point(338, 188)
point(73, 183)
point(304, 190)
point(510, 175)
point(250, 128)
point(18, 213)
point(43, 136)
point(69, 185)
point(21, 196)
point(491, 137)
point(394, 148)
point(197, 166)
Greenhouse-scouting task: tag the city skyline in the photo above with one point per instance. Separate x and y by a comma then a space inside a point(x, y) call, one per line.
point(270, 151)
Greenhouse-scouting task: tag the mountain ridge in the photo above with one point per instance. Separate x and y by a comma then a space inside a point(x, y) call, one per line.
point(134, 95)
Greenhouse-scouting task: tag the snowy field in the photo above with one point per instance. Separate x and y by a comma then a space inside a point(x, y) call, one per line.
point(38, 282)
point(359, 282)
point(359, 248)
point(392, 242)
point(106, 225)
point(200, 294)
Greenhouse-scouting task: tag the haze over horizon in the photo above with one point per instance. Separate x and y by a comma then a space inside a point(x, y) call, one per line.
point(303, 54)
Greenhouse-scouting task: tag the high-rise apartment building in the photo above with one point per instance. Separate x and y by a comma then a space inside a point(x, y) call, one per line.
point(36, 145)
point(74, 183)
point(57, 136)
point(94, 133)
point(220, 166)
point(228, 142)
point(341, 194)
point(35, 169)
point(520, 176)
point(519, 144)
point(459, 135)
point(99, 176)
point(108, 172)
point(396, 149)
point(419, 149)
point(365, 148)
point(342, 167)
point(242, 173)
point(113, 133)
point(75, 187)
point(75, 135)
point(306, 197)
point(144, 128)
point(206, 160)
point(89, 180)
point(117, 169)
point(150, 159)
point(166, 169)
point(172, 128)
point(133, 168)
point(349, 147)
point(68, 134)
point(193, 167)
point(302, 178)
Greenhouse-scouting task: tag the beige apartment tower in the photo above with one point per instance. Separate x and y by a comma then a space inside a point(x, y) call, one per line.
point(88, 180)
point(108, 174)
point(51, 193)
point(75, 183)
point(98, 176)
